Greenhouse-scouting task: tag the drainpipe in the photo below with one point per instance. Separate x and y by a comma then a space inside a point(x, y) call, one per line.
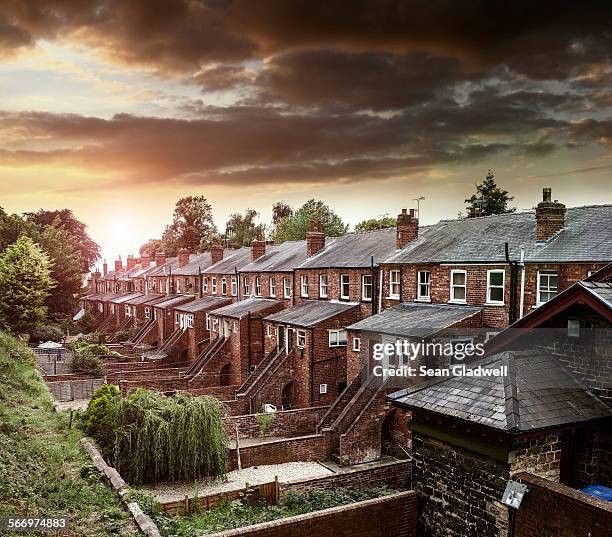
point(237, 284)
point(512, 312)
point(249, 337)
point(312, 373)
point(373, 284)
point(522, 298)
point(380, 289)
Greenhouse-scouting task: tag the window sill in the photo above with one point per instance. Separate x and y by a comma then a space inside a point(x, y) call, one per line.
point(499, 304)
point(393, 297)
point(422, 299)
point(457, 301)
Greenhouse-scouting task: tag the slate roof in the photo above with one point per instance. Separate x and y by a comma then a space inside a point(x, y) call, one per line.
point(174, 300)
point(601, 290)
point(146, 299)
point(107, 297)
point(205, 303)
point(171, 264)
point(538, 393)
point(238, 310)
point(279, 258)
point(415, 320)
point(196, 262)
point(354, 250)
point(311, 312)
point(140, 271)
point(125, 298)
point(236, 260)
point(587, 236)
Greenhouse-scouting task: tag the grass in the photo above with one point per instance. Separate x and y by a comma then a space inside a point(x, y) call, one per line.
point(43, 469)
point(231, 515)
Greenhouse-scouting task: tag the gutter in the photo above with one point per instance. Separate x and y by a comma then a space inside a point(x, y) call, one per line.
point(522, 296)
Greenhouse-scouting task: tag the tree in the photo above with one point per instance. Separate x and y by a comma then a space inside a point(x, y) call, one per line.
point(375, 223)
point(151, 247)
point(241, 229)
point(12, 226)
point(65, 257)
point(88, 248)
point(192, 226)
point(25, 283)
point(280, 211)
point(296, 226)
point(489, 199)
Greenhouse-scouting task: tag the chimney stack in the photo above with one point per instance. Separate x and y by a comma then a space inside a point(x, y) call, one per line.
point(315, 238)
point(131, 262)
point(118, 264)
point(216, 252)
point(104, 268)
point(258, 248)
point(407, 228)
point(550, 216)
point(145, 261)
point(160, 259)
point(183, 257)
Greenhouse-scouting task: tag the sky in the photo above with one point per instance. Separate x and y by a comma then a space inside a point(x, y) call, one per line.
point(116, 109)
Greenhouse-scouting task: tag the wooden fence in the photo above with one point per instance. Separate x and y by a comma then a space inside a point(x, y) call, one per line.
point(251, 494)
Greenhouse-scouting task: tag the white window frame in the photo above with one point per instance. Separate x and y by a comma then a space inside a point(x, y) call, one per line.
point(234, 286)
point(257, 285)
point(269, 330)
point(286, 288)
point(214, 324)
point(322, 389)
point(246, 285)
point(205, 285)
point(335, 340)
point(394, 284)
point(128, 311)
point(356, 344)
point(213, 286)
point(300, 338)
point(426, 274)
point(304, 285)
point(178, 285)
point(189, 320)
point(323, 286)
point(453, 286)
point(365, 286)
point(224, 286)
point(177, 317)
point(147, 312)
point(345, 281)
point(491, 335)
point(502, 286)
point(540, 289)
point(208, 321)
point(272, 283)
point(573, 328)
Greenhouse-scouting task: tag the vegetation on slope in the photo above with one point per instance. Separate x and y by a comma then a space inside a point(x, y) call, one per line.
point(43, 470)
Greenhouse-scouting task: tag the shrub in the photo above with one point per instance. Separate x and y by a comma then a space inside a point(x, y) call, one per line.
point(265, 420)
point(86, 323)
point(48, 332)
point(88, 364)
point(98, 419)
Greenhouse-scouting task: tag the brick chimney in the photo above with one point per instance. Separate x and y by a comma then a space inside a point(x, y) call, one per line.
point(131, 262)
point(145, 261)
point(407, 228)
point(258, 248)
point(105, 268)
point(183, 257)
point(216, 252)
point(118, 264)
point(160, 259)
point(315, 239)
point(550, 216)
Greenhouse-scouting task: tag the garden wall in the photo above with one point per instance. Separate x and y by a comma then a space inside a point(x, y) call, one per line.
point(71, 390)
point(551, 509)
point(389, 516)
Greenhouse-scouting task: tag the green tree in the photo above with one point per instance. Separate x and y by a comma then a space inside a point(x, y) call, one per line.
point(192, 226)
point(65, 257)
point(13, 226)
point(25, 283)
point(296, 226)
point(489, 199)
point(280, 211)
point(241, 229)
point(88, 248)
point(375, 223)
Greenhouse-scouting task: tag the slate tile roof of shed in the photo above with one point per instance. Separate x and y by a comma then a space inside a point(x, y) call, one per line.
point(234, 260)
point(538, 393)
point(602, 290)
point(410, 319)
point(587, 236)
point(311, 312)
point(205, 303)
point(279, 258)
point(146, 299)
point(238, 310)
point(354, 250)
point(174, 300)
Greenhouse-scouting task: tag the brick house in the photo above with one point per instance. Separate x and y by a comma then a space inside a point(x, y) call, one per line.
point(271, 271)
point(239, 327)
point(221, 277)
point(550, 415)
point(166, 319)
point(464, 261)
point(305, 357)
point(160, 280)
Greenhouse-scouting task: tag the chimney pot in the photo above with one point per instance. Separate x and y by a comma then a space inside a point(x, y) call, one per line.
point(546, 194)
point(312, 224)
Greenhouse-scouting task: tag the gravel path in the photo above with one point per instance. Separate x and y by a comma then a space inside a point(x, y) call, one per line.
point(77, 404)
point(168, 492)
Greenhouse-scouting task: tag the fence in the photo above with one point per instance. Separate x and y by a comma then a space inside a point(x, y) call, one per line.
point(54, 365)
point(71, 390)
point(251, 494)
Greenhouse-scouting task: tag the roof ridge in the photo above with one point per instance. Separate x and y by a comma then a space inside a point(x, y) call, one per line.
point(513, 417)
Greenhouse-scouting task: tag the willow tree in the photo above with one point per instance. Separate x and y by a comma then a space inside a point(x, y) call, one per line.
point(25, 283)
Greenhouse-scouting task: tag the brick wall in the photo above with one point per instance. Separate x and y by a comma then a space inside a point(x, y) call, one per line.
point(264, 279)
point(393, 515)
point(551, 509)
point(540, 455)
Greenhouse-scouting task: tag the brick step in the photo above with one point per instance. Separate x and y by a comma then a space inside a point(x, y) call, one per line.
point(259, 369)
point(215, 348)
